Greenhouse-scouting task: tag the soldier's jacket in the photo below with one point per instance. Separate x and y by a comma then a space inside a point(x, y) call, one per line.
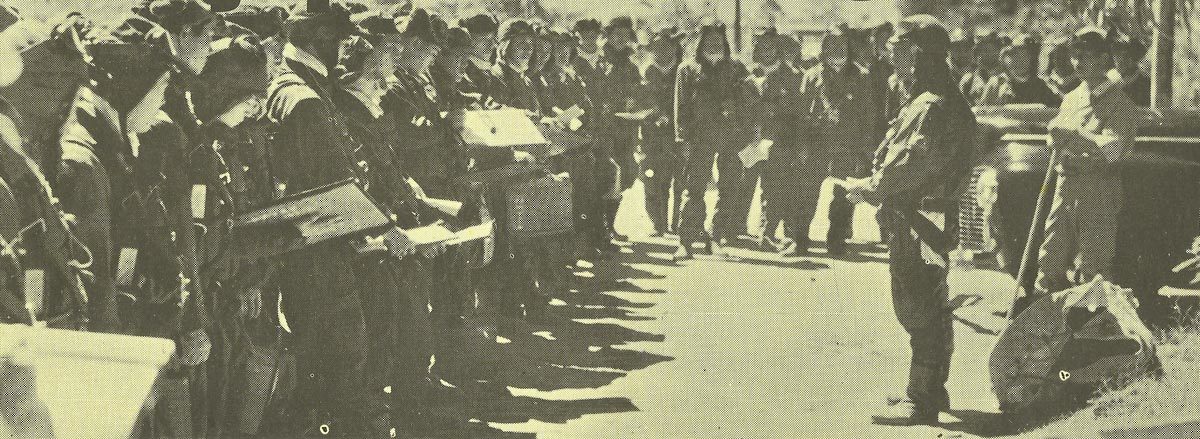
point(424, 144)
point(311, 143)
point(161, 228)
point(708, 100)
point(972, 85)
point(511, 88)
point(921, 162)
point(1003, 90)
point(1105, 119)
point(94, 166)
point(376, 134)
point(25, 199)
point(843, 105)
point(592, 74)
point(564, 88)
point(660, 89)
point(233, 164)
point(475, 82)
point(620, 89)
point(772, 104)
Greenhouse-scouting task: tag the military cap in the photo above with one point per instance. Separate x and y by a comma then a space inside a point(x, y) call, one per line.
point(925, 31)
point(174, 15)
point(884, 28)
point(587, 24)
point(1120, 41)
point(516, 28)
point(666, 35)
point(992, 38)
point(769, 34)
point(1023, 41)
point(352, 56)
point(262, 21)
point(421, 25)
point(130, 60)
point(457, 38)
point(307, 12)
point(481, 24)
point(961, 39)
point(235, 67)
point(1091, 38)
point(622, 22)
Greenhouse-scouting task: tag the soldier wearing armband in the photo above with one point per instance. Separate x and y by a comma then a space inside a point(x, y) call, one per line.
point(916, 174)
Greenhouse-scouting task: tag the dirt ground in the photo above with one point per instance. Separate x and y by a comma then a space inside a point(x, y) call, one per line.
point(760, 347)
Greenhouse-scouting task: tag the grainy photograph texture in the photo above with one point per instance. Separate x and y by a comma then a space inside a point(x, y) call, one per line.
point(599, 219)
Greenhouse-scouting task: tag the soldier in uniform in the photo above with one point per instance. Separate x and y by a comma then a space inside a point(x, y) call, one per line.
point(1128, 53)
point(917, 171)
point(962, 44)
point(1061, 77)
point(43, 253)
point(229, 163)
point(706, 119)
point(476, 73)
point(839, 98)
point(662, 172)
point(321, 298)
point(986, 64)
point(564, 89)
point(618, 90)
point(1020, 83)
point(1095, 127)
point(775, 89)
point(589, 56)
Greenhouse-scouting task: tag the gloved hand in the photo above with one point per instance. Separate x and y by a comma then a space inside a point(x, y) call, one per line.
point(193, 348)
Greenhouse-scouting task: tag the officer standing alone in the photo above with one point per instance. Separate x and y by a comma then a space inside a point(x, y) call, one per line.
point(917, 170)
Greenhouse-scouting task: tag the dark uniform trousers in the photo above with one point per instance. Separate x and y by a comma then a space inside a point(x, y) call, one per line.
point(919, 295)
point(729, 217)
point(791, 182)
point(844, 164)
point(662, 176)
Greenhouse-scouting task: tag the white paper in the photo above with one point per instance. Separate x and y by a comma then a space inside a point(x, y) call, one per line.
point(473, 233)
point(754, 153)
point(431, 234)
point(570, 115)
point(126, 262)
point(448, 207)
point(35, 287)
point(199, 199)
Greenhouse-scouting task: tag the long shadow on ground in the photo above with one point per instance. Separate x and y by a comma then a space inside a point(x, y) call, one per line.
point(481, 362)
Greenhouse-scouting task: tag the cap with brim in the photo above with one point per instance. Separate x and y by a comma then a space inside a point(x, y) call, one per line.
point(1091, 38)
point(516, 28)
point(458, 38)
point(622, 22)
point(421, 25)
point(588, 25)
point(129, 68)
point(318, 12)
point(264, 22)
point(175, 15)
point(481, 24)
point(667, 35)
point(232, 72)
point(1022, 42)
point(1120, 41)
point(925, 31)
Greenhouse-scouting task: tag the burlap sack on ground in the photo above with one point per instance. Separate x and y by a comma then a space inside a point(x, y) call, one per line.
point(1068, 345)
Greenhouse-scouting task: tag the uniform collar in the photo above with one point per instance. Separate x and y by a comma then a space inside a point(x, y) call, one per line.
point(293, 53)
point(593, 59)
point(371, 103)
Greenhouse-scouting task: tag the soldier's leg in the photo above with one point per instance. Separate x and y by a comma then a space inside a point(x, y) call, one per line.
point(1057, 253)
point(324, 311)
point(749, 185)
point(697, 174)
point(730, 175)
point(678, 170)
point(841, 211)
point(656, 180)
point(919, 296)
point(1097, 220)
point(808, 176)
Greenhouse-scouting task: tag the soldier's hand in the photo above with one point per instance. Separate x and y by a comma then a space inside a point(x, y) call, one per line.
point(433, 250)
point(194, 348)
point(399, 243)
point(250, 303)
